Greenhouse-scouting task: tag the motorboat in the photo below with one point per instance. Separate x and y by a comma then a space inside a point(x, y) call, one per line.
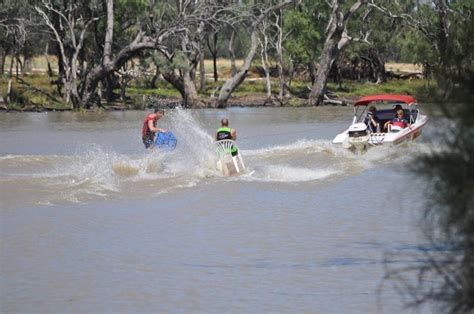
point(358, 136)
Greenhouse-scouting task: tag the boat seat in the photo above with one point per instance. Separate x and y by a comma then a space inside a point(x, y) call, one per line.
point(388, 114)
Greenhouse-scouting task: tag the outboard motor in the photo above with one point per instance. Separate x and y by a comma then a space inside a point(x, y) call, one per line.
point(359, 136)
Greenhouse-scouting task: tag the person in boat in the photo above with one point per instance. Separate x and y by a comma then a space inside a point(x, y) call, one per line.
point(399, 120)
point(226, 133)
point(396, 108)
point(149, 129)
point(371, 120)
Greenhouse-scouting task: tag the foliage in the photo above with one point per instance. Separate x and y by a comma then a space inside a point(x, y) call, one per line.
point(356, 88)
point(305, 24)
point(446, 275)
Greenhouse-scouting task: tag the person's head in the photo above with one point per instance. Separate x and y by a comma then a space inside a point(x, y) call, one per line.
point(372, 109)
point(225, 122)
point(398, 107)
point(159, 112)
point(400, 113)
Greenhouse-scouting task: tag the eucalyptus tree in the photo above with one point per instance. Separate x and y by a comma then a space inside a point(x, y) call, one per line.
point(337, 38)
point(439, 32)
point(197, 21)
point(14, 30)
point(273, 36)
point(264, 43)
point(368, 59)
point(305, 24)
point(220, 31)
point(69, 34)
point(233, 82)
point(74, 22)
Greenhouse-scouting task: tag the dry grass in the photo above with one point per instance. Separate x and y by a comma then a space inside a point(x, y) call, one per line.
point(39, 64)
point(403, 67)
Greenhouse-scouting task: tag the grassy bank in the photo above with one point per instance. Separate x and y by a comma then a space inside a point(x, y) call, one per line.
point(34, 91)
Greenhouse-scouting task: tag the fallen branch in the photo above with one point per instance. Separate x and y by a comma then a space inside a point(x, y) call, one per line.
point(329, 101)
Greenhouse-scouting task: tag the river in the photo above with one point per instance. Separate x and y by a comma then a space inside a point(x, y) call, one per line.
point(91, 222)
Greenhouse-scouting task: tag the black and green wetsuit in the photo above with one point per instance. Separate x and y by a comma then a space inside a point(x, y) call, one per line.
point(225, 134)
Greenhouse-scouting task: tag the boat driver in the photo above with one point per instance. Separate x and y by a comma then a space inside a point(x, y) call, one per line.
point(371, 120)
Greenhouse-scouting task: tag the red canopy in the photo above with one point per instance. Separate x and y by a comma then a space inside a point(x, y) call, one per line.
point(364, 101)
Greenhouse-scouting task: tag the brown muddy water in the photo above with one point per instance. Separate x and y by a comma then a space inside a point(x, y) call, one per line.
point(91, 222)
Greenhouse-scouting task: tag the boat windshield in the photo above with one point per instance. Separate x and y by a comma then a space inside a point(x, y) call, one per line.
point(385, 115)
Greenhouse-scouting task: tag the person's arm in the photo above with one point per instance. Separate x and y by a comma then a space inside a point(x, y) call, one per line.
point(233, 133)
point(372, 120)
point(152, 127)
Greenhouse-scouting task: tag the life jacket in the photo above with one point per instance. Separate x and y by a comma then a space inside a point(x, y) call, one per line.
point(225, 134)
point(146, 132)
point(402, 123)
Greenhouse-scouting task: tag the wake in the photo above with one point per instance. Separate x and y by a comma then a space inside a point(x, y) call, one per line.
point(105, 173)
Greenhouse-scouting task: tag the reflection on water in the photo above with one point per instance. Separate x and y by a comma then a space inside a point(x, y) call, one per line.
point(92, 222)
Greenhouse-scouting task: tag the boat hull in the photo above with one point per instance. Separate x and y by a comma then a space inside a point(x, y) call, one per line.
point(390, 138)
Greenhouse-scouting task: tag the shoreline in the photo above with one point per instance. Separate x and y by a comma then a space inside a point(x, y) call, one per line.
point(251, 100)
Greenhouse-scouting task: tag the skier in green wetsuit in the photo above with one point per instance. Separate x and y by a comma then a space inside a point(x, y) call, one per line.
point(226, 133)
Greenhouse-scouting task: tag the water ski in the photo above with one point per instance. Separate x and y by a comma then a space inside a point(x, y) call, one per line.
point(230, 161)
point(166, 140)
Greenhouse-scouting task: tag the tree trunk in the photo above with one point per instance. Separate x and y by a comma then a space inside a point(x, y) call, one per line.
point(109, 34)
point(12, 60)
point(100, 71)
point(109, 93)
point(231, 84)
point(213, 50)
point(90, 86)
point(19, 65)
point(9, 90)
point(202, 73)
point(214, 63)
point(379, 70)
point(233, 67)
point(328, 55)
point(28, 67)
point(191, 98)
point(3, 56)
point(264, 57)
point(279, 48)
point(312, 72)
point(154, 79)
point(336, 40)
point(171, 77)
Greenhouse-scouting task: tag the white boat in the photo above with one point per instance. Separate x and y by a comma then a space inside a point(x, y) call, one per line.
point(359, 137)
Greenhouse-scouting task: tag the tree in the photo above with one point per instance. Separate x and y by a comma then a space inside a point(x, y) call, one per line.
point(446, 277)
point(304, 43)
point(443, 26)
point(197, 21)
point(14, 28)
point(232, 83)
point(337, 38)
point(76, 27)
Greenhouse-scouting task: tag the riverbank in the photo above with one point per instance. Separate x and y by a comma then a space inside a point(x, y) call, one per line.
point(36, 92)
